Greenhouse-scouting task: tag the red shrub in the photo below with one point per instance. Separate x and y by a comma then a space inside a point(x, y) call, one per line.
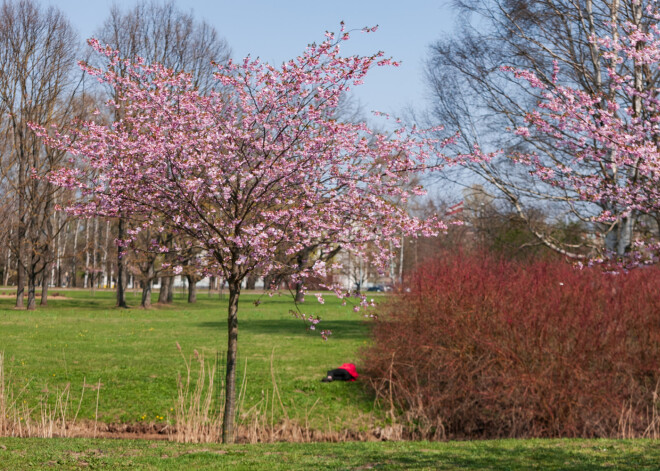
point(479, 347)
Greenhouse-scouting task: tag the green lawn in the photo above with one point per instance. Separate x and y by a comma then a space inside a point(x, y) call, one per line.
point(133, 353)
point(84, 339)
point(491, 455)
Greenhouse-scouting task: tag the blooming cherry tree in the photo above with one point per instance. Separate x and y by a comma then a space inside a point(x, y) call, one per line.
point(616, 132)
point(256, 166)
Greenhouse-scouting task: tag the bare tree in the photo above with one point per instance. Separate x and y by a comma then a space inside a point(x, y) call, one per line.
point(38, 49)
point(160, 32)
point(472, 94)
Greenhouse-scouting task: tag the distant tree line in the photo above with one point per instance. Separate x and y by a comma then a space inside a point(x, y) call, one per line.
point(41, 83)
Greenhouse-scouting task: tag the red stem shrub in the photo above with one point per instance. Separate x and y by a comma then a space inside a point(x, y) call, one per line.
point(478, 347)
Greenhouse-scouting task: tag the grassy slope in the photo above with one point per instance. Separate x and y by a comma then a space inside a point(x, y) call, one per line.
point(492, 455)
point(133, 353)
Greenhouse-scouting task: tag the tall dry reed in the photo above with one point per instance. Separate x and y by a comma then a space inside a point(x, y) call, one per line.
point(46, 419)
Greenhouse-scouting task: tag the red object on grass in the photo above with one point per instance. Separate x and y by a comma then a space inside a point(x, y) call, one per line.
point(350, 367)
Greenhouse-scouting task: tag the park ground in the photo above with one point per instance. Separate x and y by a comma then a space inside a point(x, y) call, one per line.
point(509, 455)
point(124, 365)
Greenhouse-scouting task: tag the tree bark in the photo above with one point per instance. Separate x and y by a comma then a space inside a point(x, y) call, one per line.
point(232, 349)
point(403, 243)
point(55, 275)
point(94, 275)
point(87, 249)
point(20, 242)
point(104, 259)
point(121, 283)
point(251, 281)
point(300, 295)
point(32, 290)
point(302, 260)
point(74, 256)
point(44, 288)
point(8, 265)
point(192, 289)
point(164, 290)
point(20, 280)
point(170, 290)
point(146, 294)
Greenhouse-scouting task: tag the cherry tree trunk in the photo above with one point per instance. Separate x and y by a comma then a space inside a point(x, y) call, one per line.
point(170, 290)
point(251, 281)
point(303, 260)
point(232, 349)
point(192, 289)
point(164, 292)
point(300, 295)
point(147, 282)
point(146, 294)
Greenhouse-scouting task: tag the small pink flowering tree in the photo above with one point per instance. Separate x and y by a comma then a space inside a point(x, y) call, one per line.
point(255, 167)
point(612, 134)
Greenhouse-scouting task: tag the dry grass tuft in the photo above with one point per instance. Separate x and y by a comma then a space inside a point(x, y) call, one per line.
point(49, 418)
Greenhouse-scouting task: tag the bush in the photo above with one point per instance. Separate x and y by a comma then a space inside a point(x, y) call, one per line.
point(482, 348)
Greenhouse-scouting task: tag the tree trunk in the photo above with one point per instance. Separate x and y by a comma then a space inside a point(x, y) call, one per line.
point(32, 289)
point(20, 236)
point(232, 349)
point(164, 290)
point(87, 249)
point(192, 289)
point(5, 281)
point(44, 288)
point(403, 242)
point(300, 294)
point(59, 273)
point(121, 288)
point(251, 281)
point(170, 290)
point(48, 253)
point(95, 274)
point(146, 294)
point(302, 260)
point(104, 259)
point(54, 266)
point(20, 275)
point(74, 256)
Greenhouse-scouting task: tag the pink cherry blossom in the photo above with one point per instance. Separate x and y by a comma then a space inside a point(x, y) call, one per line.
point(612, 136)
point(256, 167)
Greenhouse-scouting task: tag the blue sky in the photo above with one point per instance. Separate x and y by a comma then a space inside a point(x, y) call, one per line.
point(279, 30)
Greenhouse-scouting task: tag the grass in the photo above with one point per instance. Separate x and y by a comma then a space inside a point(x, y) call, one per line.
point(84, 339)
point(487, 455)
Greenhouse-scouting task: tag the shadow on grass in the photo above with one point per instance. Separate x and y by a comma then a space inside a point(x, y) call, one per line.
point(347, 329)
